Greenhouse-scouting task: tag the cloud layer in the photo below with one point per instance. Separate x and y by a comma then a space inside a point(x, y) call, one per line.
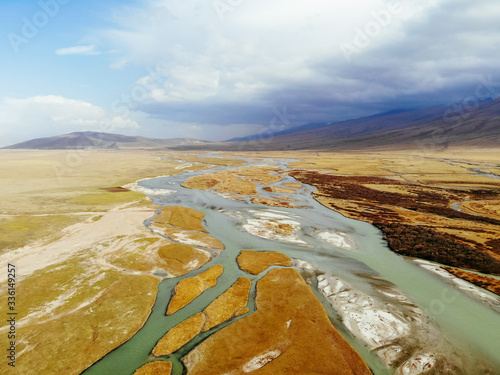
point(40, 116)
point(231, 64)
point(222, 68)
point(77, 50)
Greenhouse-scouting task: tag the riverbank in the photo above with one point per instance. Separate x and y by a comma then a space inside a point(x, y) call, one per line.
point(119, 268)
point(413, 201)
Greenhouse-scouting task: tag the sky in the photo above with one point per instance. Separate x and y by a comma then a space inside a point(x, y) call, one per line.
point(217, 69)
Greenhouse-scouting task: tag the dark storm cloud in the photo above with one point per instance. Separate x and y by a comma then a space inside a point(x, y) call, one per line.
point(435, 53)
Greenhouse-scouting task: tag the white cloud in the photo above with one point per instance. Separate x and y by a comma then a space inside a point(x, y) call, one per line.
point(233, 67)
point(251, 49)
point(78, 50)
point(40, 116)
point(120, 64)
point(189, 83)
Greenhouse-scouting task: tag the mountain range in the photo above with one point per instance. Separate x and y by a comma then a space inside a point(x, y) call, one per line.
point(98, 140)
point(468, 123)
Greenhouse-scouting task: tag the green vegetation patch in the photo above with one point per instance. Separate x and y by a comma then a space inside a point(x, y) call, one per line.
point(100, 199)
point(65, 286)
point(135, 255)
point(19, 231)
point(72, 342)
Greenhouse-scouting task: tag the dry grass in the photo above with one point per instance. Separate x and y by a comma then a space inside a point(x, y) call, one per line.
point(72, 342)
point(179, 335)
point(228, 304)
point(203, 182)
point(276, 189)
point(255, 262)
point(482, 208)
point(182, 259)
point(184, 225)
point(274, 202)
point(241, 181)
point(75, 311)
point(188, 289)
point(96, 306)
point(18, 231)
point(341, 163)
point(181, 217)
point(34, 182)
point(155, 368)
point(60, 288)
point(294, 185)
point(137, 254)
point(447, 166)
point(228, 162)
point(232, 184)
point(193, 238)
point(392, 189)
point(100, 200)
point(495, 171)
point(290, 326)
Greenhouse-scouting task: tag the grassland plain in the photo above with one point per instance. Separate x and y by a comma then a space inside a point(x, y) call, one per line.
point(277, 338)
point(442, 203)
point(85, 260)
point(101, 256)
point(438, 206)
point(65, 187)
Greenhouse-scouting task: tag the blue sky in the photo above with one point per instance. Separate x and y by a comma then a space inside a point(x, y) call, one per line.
point(219, 69)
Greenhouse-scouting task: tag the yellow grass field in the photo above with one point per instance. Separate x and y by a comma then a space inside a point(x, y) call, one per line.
point(98, 258)
point(66, 185)
point(66, 206)
point(415, 194)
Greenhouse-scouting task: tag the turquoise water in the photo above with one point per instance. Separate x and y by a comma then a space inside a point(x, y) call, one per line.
point(472, 327)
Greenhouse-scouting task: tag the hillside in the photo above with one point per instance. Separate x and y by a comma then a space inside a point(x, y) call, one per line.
point(97, 140)
point(429, 127)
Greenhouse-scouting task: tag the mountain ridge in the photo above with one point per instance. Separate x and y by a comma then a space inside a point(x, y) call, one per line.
point(101, 140)
point(436, 127)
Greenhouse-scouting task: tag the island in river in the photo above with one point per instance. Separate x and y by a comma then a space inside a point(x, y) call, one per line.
point(240, 260)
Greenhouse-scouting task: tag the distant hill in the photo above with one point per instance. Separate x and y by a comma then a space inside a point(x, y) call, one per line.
point(265, 135)
point(98, 140)
point(430, 127)
point(311, 126)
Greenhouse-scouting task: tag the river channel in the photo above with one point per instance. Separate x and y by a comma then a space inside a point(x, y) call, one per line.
point(469, 327)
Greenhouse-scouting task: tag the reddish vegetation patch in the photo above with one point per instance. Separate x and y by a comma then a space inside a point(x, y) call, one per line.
point(489, 283)
point(404, 236)
point(433, 200)
point(115, 189)
point(494, 245)
point(422, 242)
